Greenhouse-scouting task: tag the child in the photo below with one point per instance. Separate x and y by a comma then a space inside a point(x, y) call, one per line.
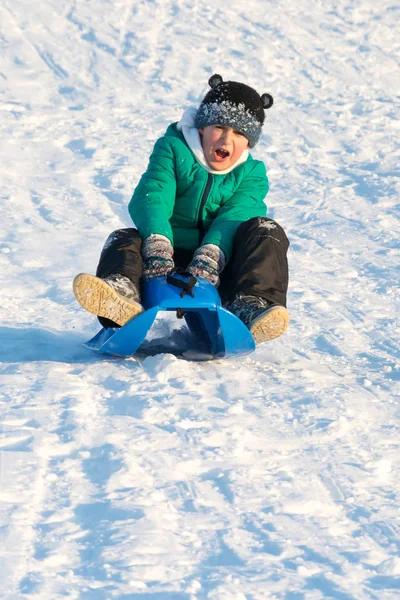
point(200, 206)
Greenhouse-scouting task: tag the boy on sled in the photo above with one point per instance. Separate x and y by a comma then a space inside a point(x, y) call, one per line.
point(200, 206)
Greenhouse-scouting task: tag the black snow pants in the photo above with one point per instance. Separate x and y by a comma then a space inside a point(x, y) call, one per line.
point(258, 266)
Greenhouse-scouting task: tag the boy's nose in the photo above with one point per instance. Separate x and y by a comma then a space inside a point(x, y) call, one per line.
point(226, 136)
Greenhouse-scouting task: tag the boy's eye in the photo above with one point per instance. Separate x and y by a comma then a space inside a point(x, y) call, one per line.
point(238, 133)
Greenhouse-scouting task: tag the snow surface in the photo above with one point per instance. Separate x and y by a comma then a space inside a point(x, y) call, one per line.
point(274, 476)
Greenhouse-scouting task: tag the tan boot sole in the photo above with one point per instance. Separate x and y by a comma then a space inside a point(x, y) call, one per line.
point(99, 298)
point(271, 325)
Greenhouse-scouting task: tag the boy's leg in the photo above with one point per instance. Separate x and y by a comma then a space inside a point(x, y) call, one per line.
point(121, 255)
point(113, 295)
point(254, 284)
point(259, 265)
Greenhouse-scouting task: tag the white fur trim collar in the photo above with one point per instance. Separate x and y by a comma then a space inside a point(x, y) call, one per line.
point(192, 137)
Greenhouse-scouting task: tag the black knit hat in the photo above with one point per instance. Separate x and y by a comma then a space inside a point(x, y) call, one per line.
point(235, 105)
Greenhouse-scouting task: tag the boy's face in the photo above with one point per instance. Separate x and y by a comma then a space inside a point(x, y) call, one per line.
point(222, 146)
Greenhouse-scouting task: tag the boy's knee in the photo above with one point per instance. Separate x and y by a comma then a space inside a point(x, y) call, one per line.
point(122, 239)
point(122, 235)
point(129, 233)
point(262, 227)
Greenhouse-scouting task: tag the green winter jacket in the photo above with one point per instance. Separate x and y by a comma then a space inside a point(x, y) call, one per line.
point(177, 197)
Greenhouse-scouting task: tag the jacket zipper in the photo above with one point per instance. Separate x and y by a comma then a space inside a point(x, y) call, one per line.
point(200, 220)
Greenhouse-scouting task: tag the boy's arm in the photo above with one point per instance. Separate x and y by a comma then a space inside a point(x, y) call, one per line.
point(247, 202)
point(153, 200)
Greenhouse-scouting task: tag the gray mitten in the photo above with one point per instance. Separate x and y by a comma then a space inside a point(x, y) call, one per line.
point(208, 262)
point(157, 252)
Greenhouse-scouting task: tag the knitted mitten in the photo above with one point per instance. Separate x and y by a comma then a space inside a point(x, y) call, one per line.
point(208, 262)
point(157, 252)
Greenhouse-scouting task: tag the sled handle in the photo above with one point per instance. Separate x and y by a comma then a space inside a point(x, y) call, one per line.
point(185, 286)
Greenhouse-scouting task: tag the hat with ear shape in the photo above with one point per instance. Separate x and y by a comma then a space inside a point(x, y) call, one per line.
point(235, 105)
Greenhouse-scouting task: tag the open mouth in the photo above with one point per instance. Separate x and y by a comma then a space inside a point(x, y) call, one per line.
point(221, 153)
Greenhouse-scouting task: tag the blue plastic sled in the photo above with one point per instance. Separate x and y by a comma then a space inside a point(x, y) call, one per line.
point(216, 333)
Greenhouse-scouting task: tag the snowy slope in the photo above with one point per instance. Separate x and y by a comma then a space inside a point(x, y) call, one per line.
point(271, 477)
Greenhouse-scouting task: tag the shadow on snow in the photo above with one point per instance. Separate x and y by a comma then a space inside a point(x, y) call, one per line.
point(34, 344)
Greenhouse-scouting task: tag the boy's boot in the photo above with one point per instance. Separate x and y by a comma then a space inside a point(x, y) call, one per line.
point(265, 320)
point(114, 298)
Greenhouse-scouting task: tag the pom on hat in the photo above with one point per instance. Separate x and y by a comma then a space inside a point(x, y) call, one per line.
point(215, 80)
point(267, 100)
